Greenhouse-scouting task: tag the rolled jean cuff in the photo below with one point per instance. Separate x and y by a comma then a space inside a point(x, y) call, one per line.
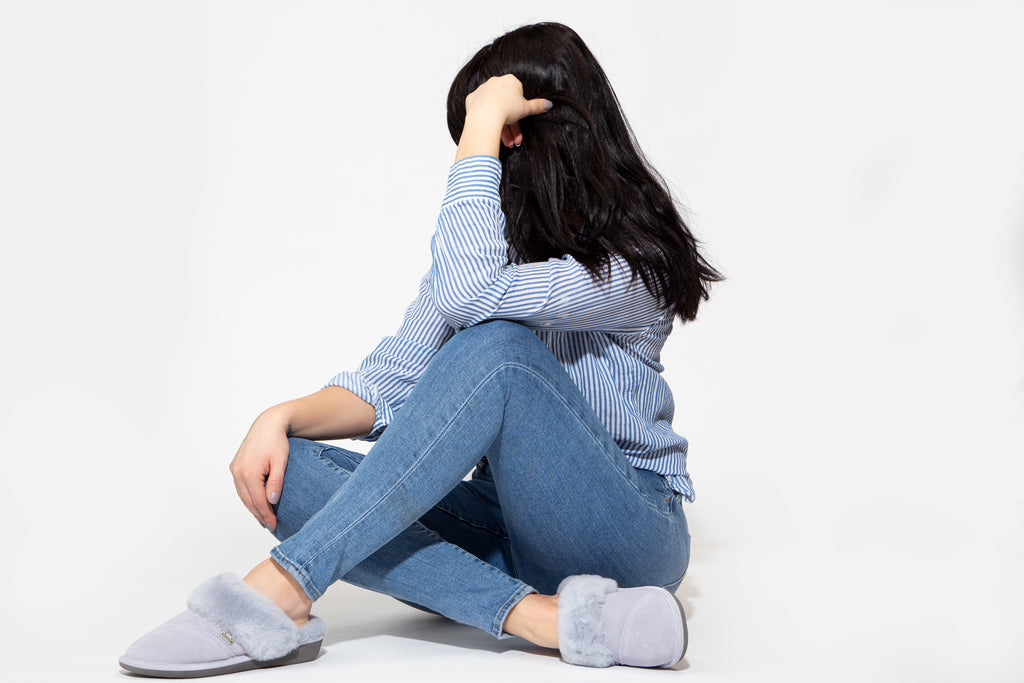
point(297, 573)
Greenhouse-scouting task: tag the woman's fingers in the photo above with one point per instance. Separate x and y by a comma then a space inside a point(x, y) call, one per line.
point(511, 135)
point(250, 482)
point(538, 106)
point(259, 466)
point(275, 484)
point(504, 96)
point(255, 482)
point(243, 494)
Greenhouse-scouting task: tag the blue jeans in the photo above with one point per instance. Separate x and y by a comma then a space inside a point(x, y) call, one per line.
point(552, 494)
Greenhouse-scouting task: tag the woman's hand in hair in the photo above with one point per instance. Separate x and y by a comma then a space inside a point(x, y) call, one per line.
point(493, 112)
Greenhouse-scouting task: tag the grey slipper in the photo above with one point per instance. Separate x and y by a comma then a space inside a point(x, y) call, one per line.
point(600, 624)
point(227, 627)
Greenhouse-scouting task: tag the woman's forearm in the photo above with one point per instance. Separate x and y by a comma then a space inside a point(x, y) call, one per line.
point(480, 135)
point(331, 413)
point(493, 112)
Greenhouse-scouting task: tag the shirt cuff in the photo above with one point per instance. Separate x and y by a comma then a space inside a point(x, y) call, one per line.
point(681, 484)
point(369, 393)
point(475, 177)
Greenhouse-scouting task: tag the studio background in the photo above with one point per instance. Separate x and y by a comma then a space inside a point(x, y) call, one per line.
point(209, 208)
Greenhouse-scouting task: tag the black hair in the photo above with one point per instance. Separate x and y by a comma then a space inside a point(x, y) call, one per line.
point(579, 184)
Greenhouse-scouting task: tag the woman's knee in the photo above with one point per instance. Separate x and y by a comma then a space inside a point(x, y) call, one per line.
point(302, 447)
point(496, 341)
point(313, 473)
point(495, 331)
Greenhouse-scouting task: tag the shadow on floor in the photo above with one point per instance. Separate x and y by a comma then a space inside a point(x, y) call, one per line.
point(374, 615)
point(355, 616)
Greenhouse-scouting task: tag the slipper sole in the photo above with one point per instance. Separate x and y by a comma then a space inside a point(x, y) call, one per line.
point(301, 654)
point(686, 633)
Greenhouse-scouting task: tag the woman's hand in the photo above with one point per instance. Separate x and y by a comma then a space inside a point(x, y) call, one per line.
point(493, 112)
point(258, 467)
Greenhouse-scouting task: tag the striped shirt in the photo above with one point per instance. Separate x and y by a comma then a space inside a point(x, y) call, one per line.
point(608, 335)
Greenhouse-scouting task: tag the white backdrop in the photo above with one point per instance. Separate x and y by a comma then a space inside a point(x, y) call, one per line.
point(208, 208)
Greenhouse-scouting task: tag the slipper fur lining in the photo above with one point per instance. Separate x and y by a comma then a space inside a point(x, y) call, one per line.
point(253, 620)
point(580, 634)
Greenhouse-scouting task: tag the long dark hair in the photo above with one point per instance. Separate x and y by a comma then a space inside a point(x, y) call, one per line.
point(579, 184)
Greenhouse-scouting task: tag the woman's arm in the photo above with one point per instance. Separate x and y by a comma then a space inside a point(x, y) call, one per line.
point(331, 413)
point(387, 375)
point(259, 465)
point(353, 405)
point(471, 278)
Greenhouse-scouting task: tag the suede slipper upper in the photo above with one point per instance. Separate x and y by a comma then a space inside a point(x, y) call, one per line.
point(228, 627)
point(600, 624)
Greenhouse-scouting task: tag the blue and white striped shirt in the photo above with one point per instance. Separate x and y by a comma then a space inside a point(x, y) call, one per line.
point(607, 335)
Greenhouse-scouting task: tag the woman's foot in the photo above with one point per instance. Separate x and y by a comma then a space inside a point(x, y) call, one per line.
point(270, 579)
point(229, 626)
point(600, 624)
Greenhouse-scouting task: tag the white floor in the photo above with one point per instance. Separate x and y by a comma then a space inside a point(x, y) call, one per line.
point(882, 582)
point(805, 619)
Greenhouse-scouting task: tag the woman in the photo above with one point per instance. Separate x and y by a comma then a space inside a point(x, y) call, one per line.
point(530, 354)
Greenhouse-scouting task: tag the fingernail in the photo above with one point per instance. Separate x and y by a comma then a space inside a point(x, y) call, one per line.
point(274, 497)
point(548, 104)
point(263, 525)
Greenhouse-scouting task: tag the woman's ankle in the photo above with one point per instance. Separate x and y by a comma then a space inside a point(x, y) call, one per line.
point(535, 618)
point(269, 578)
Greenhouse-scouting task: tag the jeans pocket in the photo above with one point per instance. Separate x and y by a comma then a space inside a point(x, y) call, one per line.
point(338, 458)
point(656, 491)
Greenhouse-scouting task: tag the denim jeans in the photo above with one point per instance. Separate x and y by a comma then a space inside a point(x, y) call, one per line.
point(551, 494)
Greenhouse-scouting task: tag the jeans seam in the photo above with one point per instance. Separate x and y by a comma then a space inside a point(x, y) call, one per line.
point(296, 571)
point(476, 525)
point(412, 467)
point(522, 590)
point(429, 448)
point(677, 581)
point(595, 437)
point(511, 558)
point(502, 615)
point(488, 565)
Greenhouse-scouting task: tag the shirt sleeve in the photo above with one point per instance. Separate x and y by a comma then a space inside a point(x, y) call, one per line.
point(386, 376)
point(472, 280)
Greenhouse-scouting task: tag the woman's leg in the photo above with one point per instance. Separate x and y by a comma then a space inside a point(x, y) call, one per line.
point(496, 389)
point(577, 506)
point(567, 497)
point(469, 516)
point(464, 518)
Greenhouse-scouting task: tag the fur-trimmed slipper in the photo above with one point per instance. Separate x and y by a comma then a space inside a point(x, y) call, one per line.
point(228, 627)
point(600, 624)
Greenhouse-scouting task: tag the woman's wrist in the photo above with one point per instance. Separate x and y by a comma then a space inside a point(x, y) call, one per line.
point(277, 417)
point(481, 134)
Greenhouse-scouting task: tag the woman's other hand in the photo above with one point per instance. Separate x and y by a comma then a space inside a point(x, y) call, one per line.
point(258, 467)
point(493, 112)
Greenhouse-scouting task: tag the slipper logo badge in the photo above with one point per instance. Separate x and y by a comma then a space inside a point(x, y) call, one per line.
point(228, 638)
